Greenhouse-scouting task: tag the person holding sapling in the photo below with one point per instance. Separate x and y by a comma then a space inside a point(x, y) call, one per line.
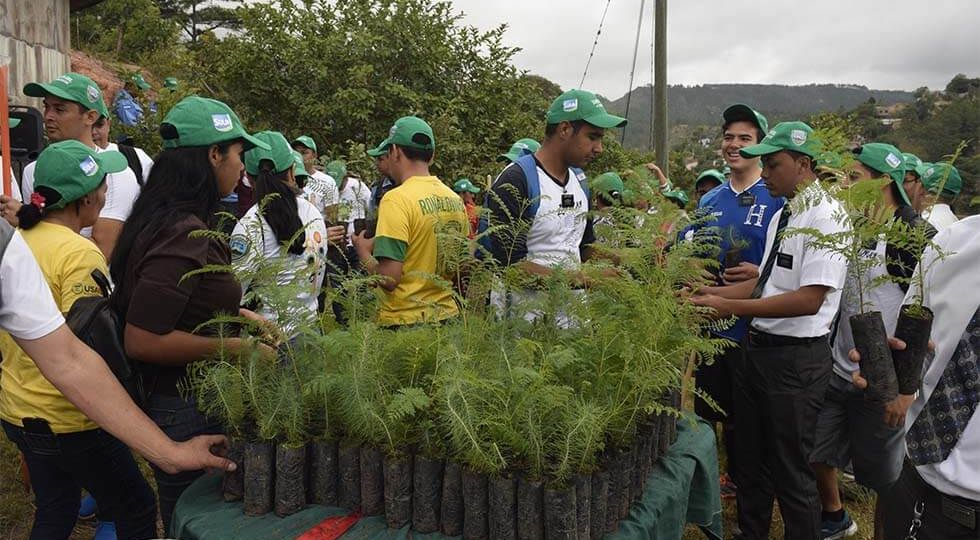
point(865, 427)
point(741, 208)
point(780, 387)
point(421, 231)
point(937, 495)
point(162, 290)
point(538, 207)
point(284, 233)
point(942, 183)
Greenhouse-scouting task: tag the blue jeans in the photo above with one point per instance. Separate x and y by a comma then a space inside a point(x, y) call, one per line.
point(180, 420)
point(62, 464)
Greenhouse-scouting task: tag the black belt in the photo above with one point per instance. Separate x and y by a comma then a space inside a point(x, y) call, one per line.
point(758, 338)
point(959, 510)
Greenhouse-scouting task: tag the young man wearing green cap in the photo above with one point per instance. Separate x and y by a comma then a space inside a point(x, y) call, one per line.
point(850, 428)
point(467, 191)
point(405, 249)
point(541, 198)
point(943, 183)
point(320, 189)
point(738, 213)
point(780, 388)
point(72, 105)
point(520, 148)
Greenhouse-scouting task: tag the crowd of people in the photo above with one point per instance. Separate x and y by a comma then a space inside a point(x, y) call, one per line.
point(787, 389)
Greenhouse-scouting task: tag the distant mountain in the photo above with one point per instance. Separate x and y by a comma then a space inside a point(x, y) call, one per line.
point(703, 105)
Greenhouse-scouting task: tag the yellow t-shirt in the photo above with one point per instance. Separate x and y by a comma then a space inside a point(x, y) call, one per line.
point(67, 260)
point(418, 222)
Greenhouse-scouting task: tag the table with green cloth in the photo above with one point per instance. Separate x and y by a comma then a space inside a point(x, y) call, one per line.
point(683, 488)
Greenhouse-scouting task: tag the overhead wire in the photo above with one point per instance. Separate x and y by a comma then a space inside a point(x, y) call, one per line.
point(636, 48)
point(594, 44)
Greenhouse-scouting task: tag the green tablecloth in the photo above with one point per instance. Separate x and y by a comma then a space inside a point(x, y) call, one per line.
point(683, 488)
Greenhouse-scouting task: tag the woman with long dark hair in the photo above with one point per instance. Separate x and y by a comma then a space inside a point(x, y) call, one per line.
point(164, 305)
point(64, 449)
point(280, 245)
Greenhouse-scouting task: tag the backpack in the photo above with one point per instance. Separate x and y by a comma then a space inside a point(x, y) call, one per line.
point(96, 324)
point(134, 161)
point(529, 165)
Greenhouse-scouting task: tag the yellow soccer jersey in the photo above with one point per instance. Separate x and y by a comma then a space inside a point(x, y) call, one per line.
point(418, 222)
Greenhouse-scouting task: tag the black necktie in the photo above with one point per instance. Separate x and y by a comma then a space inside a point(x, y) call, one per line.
point(771, 260)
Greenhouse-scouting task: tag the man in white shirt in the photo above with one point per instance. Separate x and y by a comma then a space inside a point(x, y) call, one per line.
point(320, 189)
point(72, 105)
point(139, 161)
point(788, 359)
point(942, 183)
point(938, 494)
point(28, 313)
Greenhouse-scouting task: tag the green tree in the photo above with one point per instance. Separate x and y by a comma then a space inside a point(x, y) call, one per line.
point(199, 17)
point(127, 30)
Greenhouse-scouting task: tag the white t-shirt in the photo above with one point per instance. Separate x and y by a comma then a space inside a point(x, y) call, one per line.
point(122, 191)
point(799, 265)
point(940, 216)
point(253, 241)
point(27, 309)
point(952, 292)
point(357, 196)
point(556, 233)
point(321, 190)
point(146, 162)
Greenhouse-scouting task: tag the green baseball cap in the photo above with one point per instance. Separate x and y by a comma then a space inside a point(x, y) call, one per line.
point(934, 174)
point(171, 83)
point(403, 133)
point(582, 105)
point(337, 170)
point(678, 195)
point(740, 112)
point(520, 148)
point(610, 185)
point(885, 159)
point(14, 122)
point(464, 184)
point(74, 170)
point(299, 169)
point(140, 82)
point(306, 141)
point(710, 174)
point(277, 151)
point(73, 87)
point(912, 162)
point(199, 121)
point(795, 136)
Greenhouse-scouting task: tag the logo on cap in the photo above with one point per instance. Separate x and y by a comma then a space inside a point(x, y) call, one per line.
point(64, 79)
point(569, 105)
point(393, 130)
point(597, 103)
point(93, 93)
point(798, 136)
point(521, 145)
point(930, 171)
point(221, 122)
point(88, 166)
point(892, 160)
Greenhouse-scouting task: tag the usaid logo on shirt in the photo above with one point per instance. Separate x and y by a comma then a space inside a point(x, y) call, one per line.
point(221, 122)
point(88, 166)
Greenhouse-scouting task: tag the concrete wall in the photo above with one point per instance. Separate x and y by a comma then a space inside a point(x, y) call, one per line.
point(35, 41)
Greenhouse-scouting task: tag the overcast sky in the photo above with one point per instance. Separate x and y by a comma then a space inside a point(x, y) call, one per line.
point(882, 44)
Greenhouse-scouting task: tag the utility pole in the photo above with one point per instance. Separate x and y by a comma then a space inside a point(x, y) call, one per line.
point(660, 83)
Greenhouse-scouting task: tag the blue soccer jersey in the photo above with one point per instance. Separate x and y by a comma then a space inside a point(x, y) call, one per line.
point(739, 220)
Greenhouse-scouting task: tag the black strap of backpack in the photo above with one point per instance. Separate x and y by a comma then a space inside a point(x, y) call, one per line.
point(134, 161)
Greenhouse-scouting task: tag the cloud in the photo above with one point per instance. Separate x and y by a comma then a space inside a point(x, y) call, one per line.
point(898, 44)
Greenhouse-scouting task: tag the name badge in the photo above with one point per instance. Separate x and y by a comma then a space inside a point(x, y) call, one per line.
point(784, 260)
point(746, 199)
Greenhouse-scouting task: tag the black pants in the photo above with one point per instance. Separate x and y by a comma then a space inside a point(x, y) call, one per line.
point(778, 393)
point(60, 465)
point(717, 381)
point(899, 504)
point(180, 420)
